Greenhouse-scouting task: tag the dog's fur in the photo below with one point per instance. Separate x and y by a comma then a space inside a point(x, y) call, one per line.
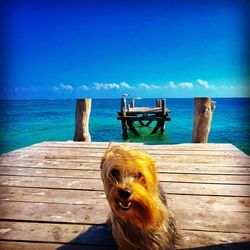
point(139, 217)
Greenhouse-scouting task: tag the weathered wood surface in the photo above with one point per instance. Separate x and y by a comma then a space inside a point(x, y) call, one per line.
point(140, 110)
point(203, 112)
point(52, 195)
point(132, 114)
point(82, 114)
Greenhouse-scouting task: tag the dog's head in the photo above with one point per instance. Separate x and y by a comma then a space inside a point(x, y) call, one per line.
point(131, 186)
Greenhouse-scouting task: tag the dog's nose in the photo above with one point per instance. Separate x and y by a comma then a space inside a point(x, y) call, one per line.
point(125, 193)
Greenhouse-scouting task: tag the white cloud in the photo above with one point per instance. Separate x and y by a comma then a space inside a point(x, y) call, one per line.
point(172, 85)
point(203, 83)
point(186, 85)
point(99, 86)
point(66, 87)
point(125, 85)
point(83, 87)
point(154, 86)
point(144, 85)
point(63, 86)
point(149, 86)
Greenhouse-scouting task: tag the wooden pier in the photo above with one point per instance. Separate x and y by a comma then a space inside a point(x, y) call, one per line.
point(52, 195)
point(129, 115)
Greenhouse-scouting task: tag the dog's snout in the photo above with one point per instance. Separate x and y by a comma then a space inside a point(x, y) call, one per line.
point(125, 193)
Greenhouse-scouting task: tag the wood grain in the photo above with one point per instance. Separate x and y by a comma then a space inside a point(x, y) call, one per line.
point(51, 195)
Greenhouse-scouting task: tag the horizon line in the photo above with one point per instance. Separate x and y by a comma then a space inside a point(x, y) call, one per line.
point(96, 98)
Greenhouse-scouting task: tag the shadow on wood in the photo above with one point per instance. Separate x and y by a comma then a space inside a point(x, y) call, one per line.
point(103, 240)
point(100, 234)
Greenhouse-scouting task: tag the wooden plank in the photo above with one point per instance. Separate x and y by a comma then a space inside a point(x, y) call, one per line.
point(163, 167)
point(59, 213)
point(225, 160)
point(190, 219)
point(142, 118)
point(95, 174)
point(94, 164)
point(92, 160)
point(211, 159)
point(208, 178)
point(148, 123)
point(152, 149)
point(90, 197)
point(144, 109)
point(170, 187)
point(181, 146)
point(206, 189)
point(132, 128)
point(49, 172)
point(157, 126)
point(142, 124)
point(103, 145)
point(166, 150)
point(37, 195)
point(65, 233)
point(53, 182)
point(213, 240)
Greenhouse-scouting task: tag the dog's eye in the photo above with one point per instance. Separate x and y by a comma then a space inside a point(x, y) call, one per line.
point(138, 175)
point(115, 173)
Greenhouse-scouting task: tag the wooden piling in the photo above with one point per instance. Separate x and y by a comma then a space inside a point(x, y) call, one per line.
point(132, 103)
point(123, 106)
point(203, 111)
point(163, 110)
point(158, 103)
point(82, 113)
point(163, 106)
point(124, 122)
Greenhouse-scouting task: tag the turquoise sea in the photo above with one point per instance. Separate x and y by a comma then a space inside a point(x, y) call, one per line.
point(27, 122)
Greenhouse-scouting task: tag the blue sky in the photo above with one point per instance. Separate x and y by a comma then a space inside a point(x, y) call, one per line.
point(101, 49)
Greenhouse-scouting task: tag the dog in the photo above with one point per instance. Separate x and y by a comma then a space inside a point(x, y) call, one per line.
point(139, 217)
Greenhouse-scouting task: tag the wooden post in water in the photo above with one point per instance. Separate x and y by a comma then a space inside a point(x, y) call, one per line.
point(82, 113)
point(203, 112)
point(132, 103)
point(158, 103)
point(160, 123)
point(124, 122)
point(163, 108)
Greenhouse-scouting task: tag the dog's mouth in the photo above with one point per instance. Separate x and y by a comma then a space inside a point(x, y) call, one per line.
point(125, 205)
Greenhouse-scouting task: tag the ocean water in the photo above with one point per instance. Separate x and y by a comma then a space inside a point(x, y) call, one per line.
point(27, 122)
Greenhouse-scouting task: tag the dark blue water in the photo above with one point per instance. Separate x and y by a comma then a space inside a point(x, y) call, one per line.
point(24, 123)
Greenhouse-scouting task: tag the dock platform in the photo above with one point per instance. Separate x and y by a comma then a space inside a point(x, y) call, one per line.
point(131, 114)
point(52, 195)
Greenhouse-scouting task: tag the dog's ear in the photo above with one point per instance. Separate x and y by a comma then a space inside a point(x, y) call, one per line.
point(105, 154)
